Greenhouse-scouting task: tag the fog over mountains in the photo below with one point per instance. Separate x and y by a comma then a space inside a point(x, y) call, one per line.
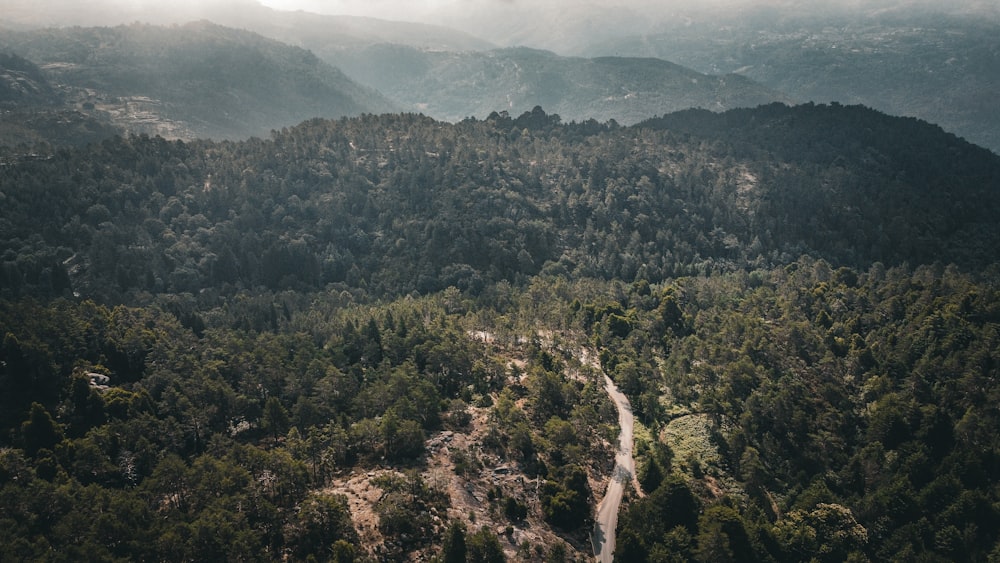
point(564, 26)
point(937, 62)
point(568, 27)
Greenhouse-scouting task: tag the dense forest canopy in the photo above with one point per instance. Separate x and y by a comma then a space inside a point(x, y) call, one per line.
point(213, 350)
point(400, 203)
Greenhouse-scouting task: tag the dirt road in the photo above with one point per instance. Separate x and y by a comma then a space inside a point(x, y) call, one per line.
point(603, 536)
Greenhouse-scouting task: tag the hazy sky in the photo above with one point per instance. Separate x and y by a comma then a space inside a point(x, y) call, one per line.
point(421, 9)
point(449, 12)
point(426, 8)
point(560, 25)
point(433, 10)
point(357, 7)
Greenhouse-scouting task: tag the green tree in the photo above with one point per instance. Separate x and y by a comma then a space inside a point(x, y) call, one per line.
point(650, 476)
point(484, 547)
point(722, 536)
point(275, 418)
point(567, 502)
point(453, 549)
point(403, 438)
point(40, 430)
point(829, 532)
point(321, 521)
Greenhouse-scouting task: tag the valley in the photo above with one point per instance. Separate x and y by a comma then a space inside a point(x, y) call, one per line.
point(285, 286)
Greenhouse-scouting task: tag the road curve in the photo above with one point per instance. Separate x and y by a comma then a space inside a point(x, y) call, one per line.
point(603, 537)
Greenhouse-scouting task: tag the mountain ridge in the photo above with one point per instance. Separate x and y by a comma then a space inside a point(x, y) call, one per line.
point(452, 86)
point(938, 68)
point(393, 204)
point(195, 80)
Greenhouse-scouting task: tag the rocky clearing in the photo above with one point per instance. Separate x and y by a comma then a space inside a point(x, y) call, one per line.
point(470, 494)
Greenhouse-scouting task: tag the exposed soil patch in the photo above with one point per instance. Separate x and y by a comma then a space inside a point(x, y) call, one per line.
point(477, 483)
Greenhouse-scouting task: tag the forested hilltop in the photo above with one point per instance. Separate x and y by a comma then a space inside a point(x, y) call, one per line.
point(400, 203)
point(384, 338)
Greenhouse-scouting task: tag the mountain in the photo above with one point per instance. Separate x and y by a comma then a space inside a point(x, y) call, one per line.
point(23, 83)
point(328, 35)
point(396, 204)
point(195, 80)
point(943, 69)
point(452, 86)
point(929, 60)
point(577, 27)
point(562, 26)
point(450, 75)
point(33, 111)
point(319, 33)
point(389, 338)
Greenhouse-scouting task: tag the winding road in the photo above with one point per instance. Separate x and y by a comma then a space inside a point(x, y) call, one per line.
point(602, 539)
point(603, 536)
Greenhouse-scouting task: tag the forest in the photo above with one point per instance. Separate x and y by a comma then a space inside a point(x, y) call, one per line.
point(389, 205)
point(207, 345)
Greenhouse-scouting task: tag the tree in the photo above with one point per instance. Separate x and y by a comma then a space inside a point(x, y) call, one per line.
point(650, 476)
point(343, 552)
point(404, 438)
point(484, 547)
point(275, 418)
point(453, 548)
point(321, 522)
point(567, 502)
point(713, 544)
point(723, 537)
point(829, 532)
point(40, 430)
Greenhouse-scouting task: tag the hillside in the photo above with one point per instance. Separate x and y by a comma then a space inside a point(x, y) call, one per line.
point(33, 111)
point(452, 86)
point(396, 204)
point(328, 35)
point(316, 32)
point(942, 69)
point(196, 80)
point(22, 83)
point(385, 338)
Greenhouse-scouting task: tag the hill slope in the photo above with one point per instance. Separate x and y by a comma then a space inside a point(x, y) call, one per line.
point(941, 69)
point(452, 86)
point(327, 35)
point(219, 349)
point(196, 80)
point(33, 110)
point(22, 82)
point(316, 32)
point(395, 204)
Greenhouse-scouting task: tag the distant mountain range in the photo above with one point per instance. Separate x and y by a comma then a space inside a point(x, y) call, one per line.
point(316, 32)
point(195, 80)
point(452, 86)
point(943, 69)
point(205, 80)
point(208, 80)
point(32, 109)
point(327, 35)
